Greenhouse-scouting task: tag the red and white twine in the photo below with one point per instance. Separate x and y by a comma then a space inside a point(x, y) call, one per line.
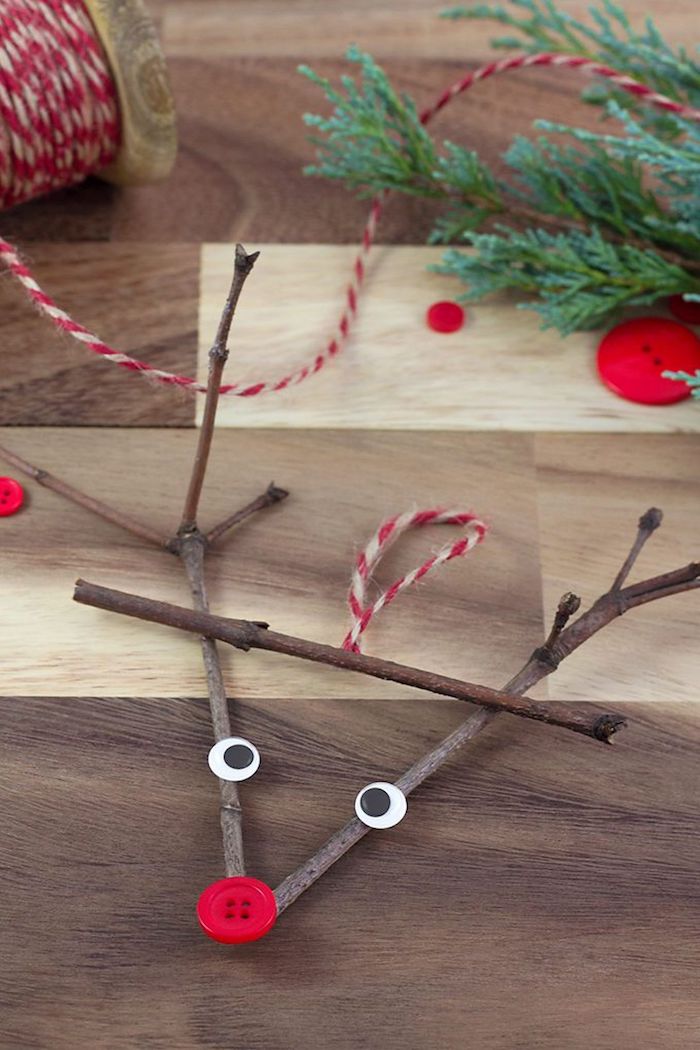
point(59, 118)
point(363, 611)
point(92, 119)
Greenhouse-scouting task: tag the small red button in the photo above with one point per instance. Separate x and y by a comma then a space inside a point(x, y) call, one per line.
point(11, 496)
point(687, 310)
point(633, 357)
point(446, 316)
point(237, 910)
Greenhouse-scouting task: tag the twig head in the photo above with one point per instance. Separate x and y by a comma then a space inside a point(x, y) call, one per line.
point(244, 262)
point(651, 519)
point(606, 727)
point(275, 494)
point(569, 604)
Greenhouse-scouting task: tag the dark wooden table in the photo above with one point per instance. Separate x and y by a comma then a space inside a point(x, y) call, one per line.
point(542, 893)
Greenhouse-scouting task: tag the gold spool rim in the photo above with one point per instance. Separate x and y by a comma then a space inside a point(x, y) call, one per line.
point(146, 110)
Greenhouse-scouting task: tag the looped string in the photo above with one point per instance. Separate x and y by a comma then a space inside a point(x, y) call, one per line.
point(362, 612)
point(46, 305)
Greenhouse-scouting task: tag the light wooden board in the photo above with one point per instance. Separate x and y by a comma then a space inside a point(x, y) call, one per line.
point(478, 618)
point(500, 372)
point(591, 491)
point(291, 566)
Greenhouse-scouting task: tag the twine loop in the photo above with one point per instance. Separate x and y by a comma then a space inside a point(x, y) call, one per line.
point(362, 611)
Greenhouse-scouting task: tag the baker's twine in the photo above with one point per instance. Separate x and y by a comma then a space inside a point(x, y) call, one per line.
point(363, 611)
point(59, 119)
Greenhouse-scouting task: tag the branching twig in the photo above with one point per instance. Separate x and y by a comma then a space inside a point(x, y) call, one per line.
point(218, 356)
point(190, 544)
point(244, 634)
point(538, 666)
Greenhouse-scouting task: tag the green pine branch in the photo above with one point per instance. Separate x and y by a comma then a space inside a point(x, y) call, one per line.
point(582, 224)
point(575, 280)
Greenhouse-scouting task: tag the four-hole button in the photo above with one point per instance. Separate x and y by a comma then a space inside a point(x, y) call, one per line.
point(237, 910)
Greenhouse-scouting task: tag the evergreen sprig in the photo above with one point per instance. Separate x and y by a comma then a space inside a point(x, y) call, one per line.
point(609, 38)
point(577, 280)
point(579, 229)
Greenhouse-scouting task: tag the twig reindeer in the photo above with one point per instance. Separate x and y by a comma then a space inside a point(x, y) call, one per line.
point(239, 908)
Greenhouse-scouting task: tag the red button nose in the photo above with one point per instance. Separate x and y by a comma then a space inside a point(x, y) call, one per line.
point(446, 316)
point(687, 310)
point(633, 357)
point(237, 910)
point(11, 496)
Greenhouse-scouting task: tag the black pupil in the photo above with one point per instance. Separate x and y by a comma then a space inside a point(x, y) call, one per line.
point(238, 756)
point(375, 802)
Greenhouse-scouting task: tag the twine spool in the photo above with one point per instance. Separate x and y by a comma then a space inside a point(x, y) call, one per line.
point(83, 91)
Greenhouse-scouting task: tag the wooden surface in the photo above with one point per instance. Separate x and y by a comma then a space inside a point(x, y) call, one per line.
point(291, 567)
point(542, 892)
point(499, 372)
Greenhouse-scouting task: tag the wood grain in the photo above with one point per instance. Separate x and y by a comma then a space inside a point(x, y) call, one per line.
point(539, 894)
point(140, 298)
point(398, 28)
point(501, 371)
point(291, 565)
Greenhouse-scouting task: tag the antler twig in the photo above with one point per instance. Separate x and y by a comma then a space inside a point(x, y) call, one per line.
point(190, 545)
point(542, 662)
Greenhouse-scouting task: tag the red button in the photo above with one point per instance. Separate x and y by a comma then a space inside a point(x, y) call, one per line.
point(446, 316)
point(633, 357)
point(687, 310)
point(237, 910)
point(11, 496)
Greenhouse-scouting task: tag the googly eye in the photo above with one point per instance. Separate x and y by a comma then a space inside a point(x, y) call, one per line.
point(234, 758)
point(380, 805)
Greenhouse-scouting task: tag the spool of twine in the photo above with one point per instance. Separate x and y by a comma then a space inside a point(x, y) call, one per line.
point(83, 91)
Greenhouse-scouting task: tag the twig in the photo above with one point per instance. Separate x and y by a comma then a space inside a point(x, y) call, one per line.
point(190, 544)
point(648, 523)
point(191, 553)
point(218, 356)
point(95, 506)
point(244, 634)
point(351, 833)
point(569, 605)
point(538, 666)
point(272, 494)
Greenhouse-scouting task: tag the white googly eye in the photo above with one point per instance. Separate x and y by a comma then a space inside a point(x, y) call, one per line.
point(234, 758)
point(380, 805)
